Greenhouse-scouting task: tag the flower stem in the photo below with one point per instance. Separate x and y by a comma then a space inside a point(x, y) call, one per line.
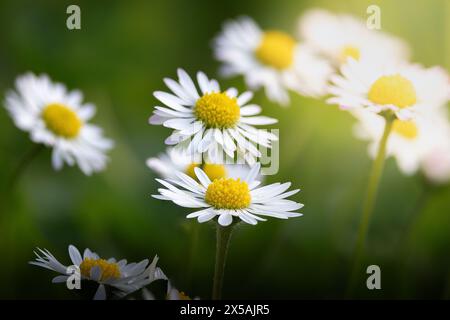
point(369, 202)
point(23, 164)
point(223, 240)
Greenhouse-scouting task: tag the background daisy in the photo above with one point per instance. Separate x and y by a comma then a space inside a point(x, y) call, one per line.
point(58, 119)
point(270, 59)
point(120, 275)
point(218, 123)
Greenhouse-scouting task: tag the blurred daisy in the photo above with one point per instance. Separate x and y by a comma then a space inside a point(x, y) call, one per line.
point(404, 89)
point(436, 163)
point(339, 36)
point(58, 119)
point(217, 123)
point(230, 197)
point(120, 275)
point(271, 59)
point(172, 294)
point(167, 164)
point(411, 142)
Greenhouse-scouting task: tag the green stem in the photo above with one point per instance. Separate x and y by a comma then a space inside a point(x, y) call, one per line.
point(223, 240)
point(23, 164)
point(369, 202)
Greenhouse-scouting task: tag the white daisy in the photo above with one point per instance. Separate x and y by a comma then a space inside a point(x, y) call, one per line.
point(340, 36)
point(436, 163)
point(270, 59)
point(230, 197)
point(404, 89)
point(172, 294)
point(59, 119)
point(411, 142)
point(217, 123)
point(173, 160)
point(120, 275)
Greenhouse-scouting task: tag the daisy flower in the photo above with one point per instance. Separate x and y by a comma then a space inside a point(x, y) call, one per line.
point(58, 119)
point(270, 59)
point(340, 36)
point(410, 142)
point(172, 294)
point(173, 160)
point(215, 122)
point(436, 163)
point(404, 89)
point(120, 275)
point(226, 198)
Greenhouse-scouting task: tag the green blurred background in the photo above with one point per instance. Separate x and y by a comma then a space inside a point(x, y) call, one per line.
point(118, 59)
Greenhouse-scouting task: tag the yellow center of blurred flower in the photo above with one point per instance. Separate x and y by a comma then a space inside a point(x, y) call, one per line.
point(276, 49)
point(228, 194)
point(406, 129)
point(109, 270)
point(213, 171)
point(349, 51)
point(217, 110)
point(395, 90)
point(61, 120)
point(183, 296)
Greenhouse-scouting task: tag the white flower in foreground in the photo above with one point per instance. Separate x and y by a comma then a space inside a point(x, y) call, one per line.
point(120, 275)
point(213, 121)
point(58, 119)
point(230, 197)
point(413, 143)
point(167, 164)
point(340, 36)
point(404, 89)
point(436, 164)
point(270, 59)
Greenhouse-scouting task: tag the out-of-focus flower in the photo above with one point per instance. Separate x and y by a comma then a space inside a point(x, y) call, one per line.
point(340, 36)
point(230, 197)
point(120, 275)
point(417, 143)
point(214, 122)
point(59, 119)
point(404, 89)
point(172, 294)
point(271, 59)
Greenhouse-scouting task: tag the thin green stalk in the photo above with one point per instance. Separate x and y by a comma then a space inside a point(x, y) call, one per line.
point(223, 240)
point(369, 203)
point(23, 164)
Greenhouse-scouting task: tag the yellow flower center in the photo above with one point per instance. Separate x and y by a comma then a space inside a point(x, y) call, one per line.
point(213, 171)
point(217, 110)
point(395, 90)
point(109, 270)
point(276, 49)
point(61, 120)
point(228, 194)
point(406, 129)
point(349, 51)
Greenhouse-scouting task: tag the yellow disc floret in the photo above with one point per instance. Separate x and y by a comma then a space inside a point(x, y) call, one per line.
point(394, 89)
point(228, 194)
point(217, 110)
point(61, 120)
point(349, 51)
point(109, 270)
point(406, 129)
point(215, 171)
point(276, 49)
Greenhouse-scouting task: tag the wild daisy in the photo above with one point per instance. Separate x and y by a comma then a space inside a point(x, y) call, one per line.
point(121, 276)
point(411, 142)
point(270, 59)
point(58, 119)
point(340, 36)
point(172, 294)
point(167, 164)
point(213, 122)
point(404, 88)
point(226, 198)
point(436, 163)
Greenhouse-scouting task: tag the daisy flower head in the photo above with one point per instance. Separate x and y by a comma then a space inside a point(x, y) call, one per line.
point(415, 144)
point(167, 164)
point(59, 119)
point(120, 276)
point(403, 89)
point(338, 37)
point(214, 123)
point(226, 198)
point(270, 59)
